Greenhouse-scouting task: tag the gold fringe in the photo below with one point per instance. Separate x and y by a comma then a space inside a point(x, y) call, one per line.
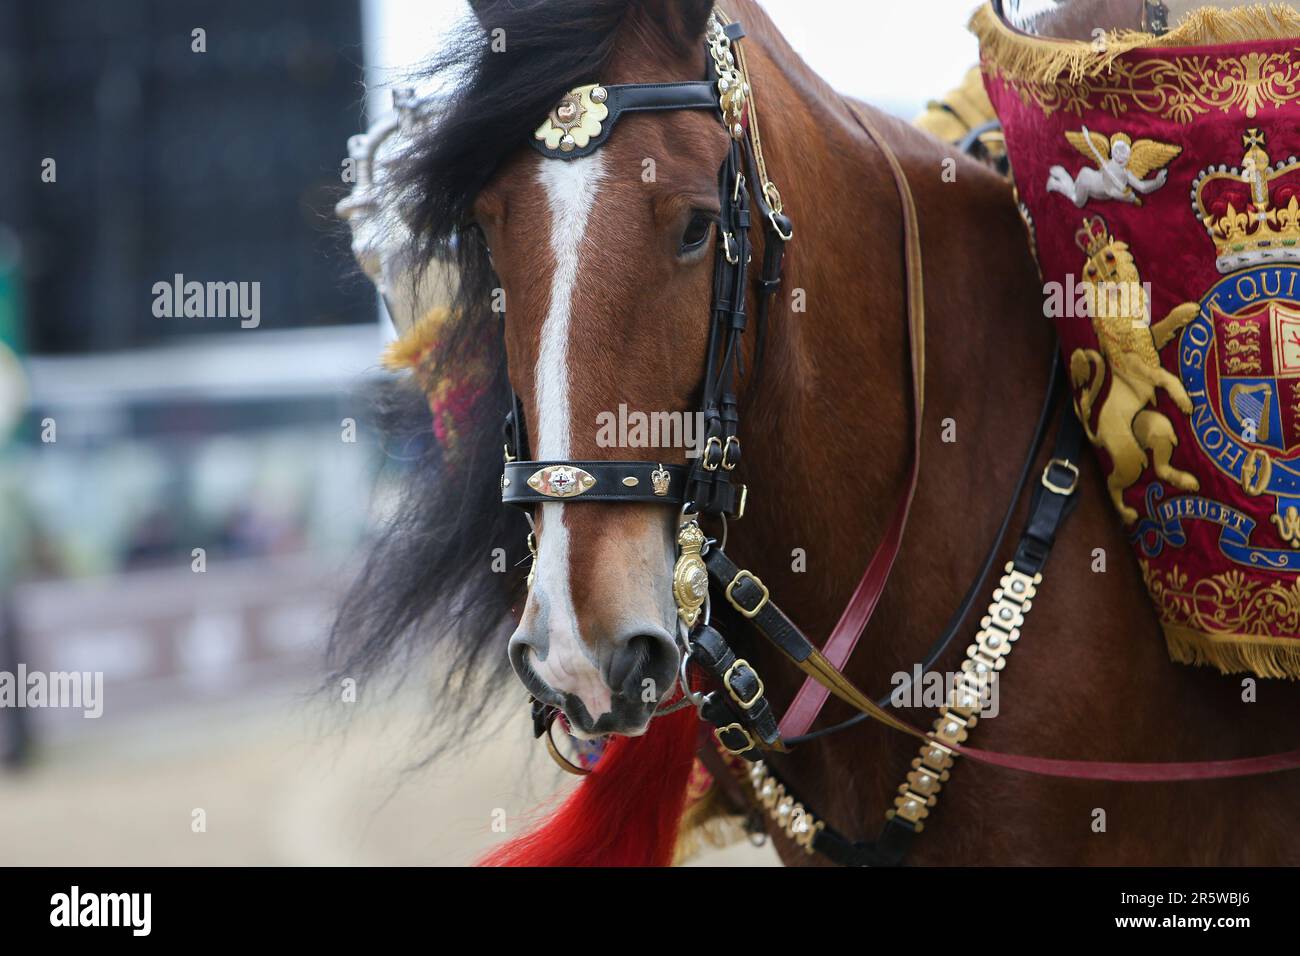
point(1234, 653)
point(708, 823)
point(1022, 56)
point(408, 351)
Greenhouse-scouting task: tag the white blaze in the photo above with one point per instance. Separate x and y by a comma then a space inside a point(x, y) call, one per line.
point(571, 187)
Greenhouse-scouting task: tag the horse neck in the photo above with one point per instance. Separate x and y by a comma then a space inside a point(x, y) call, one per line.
point(828, 438)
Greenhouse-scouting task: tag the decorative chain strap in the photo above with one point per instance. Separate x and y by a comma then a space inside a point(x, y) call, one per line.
point(999, 630)
point(735, 92)
point(790, 815)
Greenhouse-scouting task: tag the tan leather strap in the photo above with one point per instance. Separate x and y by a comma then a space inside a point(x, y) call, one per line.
point(839, 646)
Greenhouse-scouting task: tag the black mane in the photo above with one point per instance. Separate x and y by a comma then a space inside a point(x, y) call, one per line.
point(428, 582)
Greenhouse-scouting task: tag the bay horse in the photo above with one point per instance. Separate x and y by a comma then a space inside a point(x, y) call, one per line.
point(607, 274)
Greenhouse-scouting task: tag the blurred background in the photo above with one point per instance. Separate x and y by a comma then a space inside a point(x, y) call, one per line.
point(182, 498)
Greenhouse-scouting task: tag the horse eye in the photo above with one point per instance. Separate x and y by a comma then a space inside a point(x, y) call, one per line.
point(697, 233)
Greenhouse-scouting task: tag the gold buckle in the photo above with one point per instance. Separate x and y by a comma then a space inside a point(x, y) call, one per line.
point(727, 464)
point(726, 682)
point(715, 440)
point(749, 741)
point(1069, 466)
point(742, 573)
point(744, 497)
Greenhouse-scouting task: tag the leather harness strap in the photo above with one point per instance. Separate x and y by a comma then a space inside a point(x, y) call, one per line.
point(839, 646)
point(958, 618)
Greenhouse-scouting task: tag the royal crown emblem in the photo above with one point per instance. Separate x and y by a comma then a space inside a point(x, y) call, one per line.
point(659, 481)
point(1095, 241)
point(1251, 211)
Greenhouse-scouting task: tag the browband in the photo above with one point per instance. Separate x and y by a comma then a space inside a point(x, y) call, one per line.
point(584, 118)
point(526, 483)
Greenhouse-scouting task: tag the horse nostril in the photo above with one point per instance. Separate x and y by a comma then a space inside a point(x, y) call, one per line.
point(640, 657)
point(520, 652)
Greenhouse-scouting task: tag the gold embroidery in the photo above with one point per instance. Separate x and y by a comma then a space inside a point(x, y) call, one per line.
point(1227, 620)
point(1254, 402)
point(1288, 526)
point(1128, 426)
point(1256, 232)
point(1077, 75)
point(1256, 471)
point(1295, 409)
point(1180, 89)
point(1244, 351)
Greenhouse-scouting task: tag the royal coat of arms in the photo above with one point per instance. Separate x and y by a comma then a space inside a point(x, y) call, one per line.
point(1183, 230)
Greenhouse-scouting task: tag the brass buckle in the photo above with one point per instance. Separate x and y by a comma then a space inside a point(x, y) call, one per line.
point(1069, 466)
point(726, 682)
point(742, 573)
point(715, 440)
point(744, 497)
point(727, 463)
point(749, 741)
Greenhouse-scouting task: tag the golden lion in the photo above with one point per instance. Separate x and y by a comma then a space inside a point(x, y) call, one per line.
point(1126, 427)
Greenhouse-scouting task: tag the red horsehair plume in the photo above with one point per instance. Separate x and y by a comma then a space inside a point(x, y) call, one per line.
point(626, 813)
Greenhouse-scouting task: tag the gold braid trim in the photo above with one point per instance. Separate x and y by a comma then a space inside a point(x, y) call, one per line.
point(1227, 620)
point(1020, 56)
point(1234, 653)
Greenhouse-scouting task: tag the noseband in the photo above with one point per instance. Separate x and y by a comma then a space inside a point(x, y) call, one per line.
point(581, 122)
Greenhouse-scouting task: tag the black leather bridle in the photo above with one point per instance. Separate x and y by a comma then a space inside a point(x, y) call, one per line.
point(706, 485)
point(744, 722)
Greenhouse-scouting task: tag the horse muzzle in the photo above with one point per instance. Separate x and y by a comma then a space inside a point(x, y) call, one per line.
point(614, 693)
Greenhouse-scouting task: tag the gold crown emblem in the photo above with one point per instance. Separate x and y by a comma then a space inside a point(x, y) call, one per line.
point(1250, 212)
point(1094, 238)
point(659, 479)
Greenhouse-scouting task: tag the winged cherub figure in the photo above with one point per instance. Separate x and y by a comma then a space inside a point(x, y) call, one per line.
point(1121, 170)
